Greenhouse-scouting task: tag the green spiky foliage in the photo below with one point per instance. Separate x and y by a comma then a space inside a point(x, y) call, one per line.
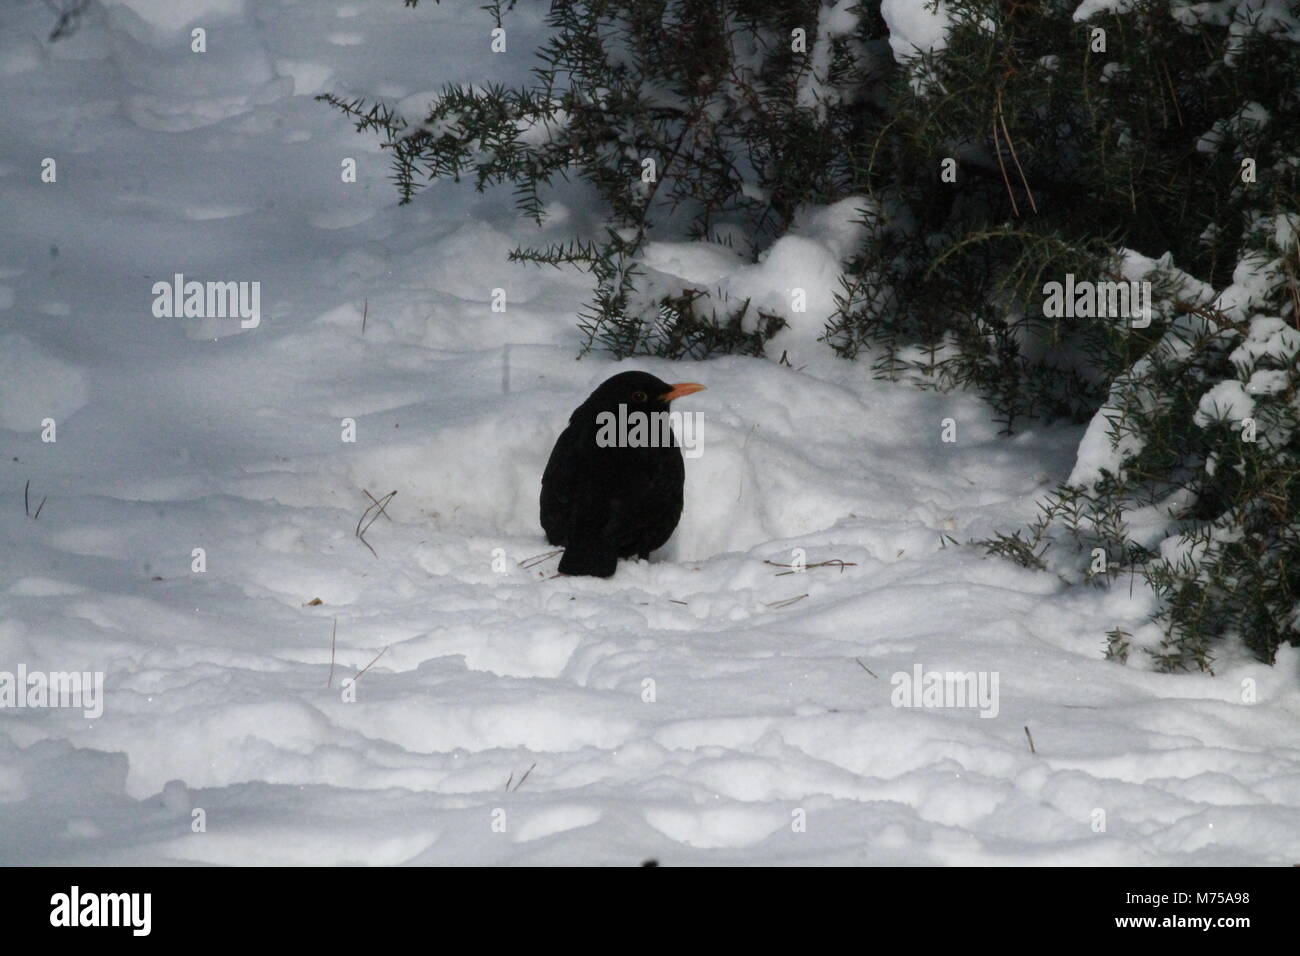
point(1066, 146)
point(683, 116)
point(1190, 474)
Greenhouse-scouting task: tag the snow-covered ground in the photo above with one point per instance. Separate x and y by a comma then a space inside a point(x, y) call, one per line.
point(700, 708)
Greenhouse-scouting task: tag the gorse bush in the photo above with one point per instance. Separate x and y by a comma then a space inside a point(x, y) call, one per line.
point(1066, 146)
point(1188, 472)
point(682, 116)
point(1040, 143)
point(1196, 458)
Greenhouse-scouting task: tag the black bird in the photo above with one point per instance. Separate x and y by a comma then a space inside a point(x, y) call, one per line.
point(604, 500)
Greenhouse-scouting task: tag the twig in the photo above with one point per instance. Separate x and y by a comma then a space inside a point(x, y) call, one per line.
point(69, 16)
point(787, 602)
point(368, 548)
point(1012, 146)
point(368, 666)
point(381, 504)
point(866, 668)
point(997, 151)
point(521, 779)
point(27, 510)
point(334, 633)
point(1173, 93)
point(832, 562)
point(365, 312)
point(1031, 740)
point(539, 558)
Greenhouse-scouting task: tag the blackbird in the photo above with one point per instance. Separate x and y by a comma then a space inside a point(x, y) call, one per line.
point(603, 500)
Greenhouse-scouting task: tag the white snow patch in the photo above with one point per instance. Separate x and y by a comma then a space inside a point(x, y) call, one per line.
point(1225, 401)
point(35, 385)
point(915, 26)
point(168, 17)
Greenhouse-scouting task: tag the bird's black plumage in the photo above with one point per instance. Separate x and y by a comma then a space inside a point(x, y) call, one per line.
point(605, 503)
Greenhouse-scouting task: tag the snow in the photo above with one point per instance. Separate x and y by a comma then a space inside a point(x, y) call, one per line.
point(837, 20)
point(35, 385)
point(802, 268)
point(1226, 401)
point(915, 26)
point(1102, 450)
point(702, 707)
point(1267, 382)
point(164, 19)
point(1267, 337)
point(1090, 8)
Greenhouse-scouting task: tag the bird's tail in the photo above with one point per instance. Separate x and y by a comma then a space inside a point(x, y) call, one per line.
point(597, 560)
point(590, 547)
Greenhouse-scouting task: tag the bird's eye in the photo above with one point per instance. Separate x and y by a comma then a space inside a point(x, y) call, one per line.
point(638, 397)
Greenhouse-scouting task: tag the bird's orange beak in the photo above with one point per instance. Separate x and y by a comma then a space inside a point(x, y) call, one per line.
point(681, 389)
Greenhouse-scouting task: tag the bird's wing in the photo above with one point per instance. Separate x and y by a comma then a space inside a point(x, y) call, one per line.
point(559, 485)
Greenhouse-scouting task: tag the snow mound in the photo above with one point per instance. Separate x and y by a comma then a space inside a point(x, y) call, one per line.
point(915, 26)
point(167, 18)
